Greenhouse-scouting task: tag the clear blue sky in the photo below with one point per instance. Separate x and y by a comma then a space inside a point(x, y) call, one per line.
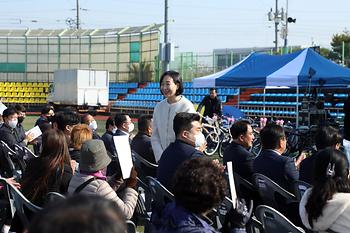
point(196, 25)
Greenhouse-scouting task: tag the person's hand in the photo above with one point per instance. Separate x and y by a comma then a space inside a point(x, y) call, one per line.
point(13, 182)
point(73, 165)
point(29, 137)
point(239, 217)
point(301, 157)
point(131, 182)
point(217, 163)
point(202, 147)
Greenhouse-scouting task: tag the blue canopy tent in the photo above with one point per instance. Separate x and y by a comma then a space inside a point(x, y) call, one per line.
point(299, 69)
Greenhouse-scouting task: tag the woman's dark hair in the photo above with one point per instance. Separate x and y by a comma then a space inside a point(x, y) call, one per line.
point(53, 157)
point(327, 136)
point(176, 78)
point(330, 175)
point(79, 213)
point(199, 185)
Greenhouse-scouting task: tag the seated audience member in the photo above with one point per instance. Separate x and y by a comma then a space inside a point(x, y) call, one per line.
point(8, 132)
point(271, 163)
point(80, 213)
point(199, 186)
point(124, 124)
point(51, 172)
point(80, 133)
point(326, 206)
point(237, 152)
point(46, 115)
point(189, 137)
point(107, 137)
point(124, 127)
point(91, 122)
point(65, 121)
point(91, 180)
point(141, 143)
point(326, 136)
point(21, 134)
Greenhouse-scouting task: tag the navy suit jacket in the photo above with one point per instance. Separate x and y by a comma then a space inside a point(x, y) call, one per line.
point(241, 159)
point(173, 156)
point(141, 144)
point(279, 168)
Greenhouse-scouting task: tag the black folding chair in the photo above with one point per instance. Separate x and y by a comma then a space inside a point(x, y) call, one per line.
point(24, 152)
point(20, 203)
point(275, 222)
point(271, 193)
point(300, 187)
point(160, 195)
point(143, 167)
point(8, 165)
point(130, 227)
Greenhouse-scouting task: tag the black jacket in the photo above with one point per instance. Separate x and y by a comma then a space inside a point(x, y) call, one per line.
point(242, 160)
point(173, 156)
point(141, 144)
point(346, 110)
point(8, 135)
point(281, 169)
point(211, 106)
point(306, 169)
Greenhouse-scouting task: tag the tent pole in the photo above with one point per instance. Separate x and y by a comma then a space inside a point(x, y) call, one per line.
point(297, 108)
point(264, 101)
point(239, 97)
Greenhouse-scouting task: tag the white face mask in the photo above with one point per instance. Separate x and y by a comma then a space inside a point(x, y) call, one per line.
point(93, 125)
point(114, 130)
point(131, 127)
point(13, 123)
point(199, 140)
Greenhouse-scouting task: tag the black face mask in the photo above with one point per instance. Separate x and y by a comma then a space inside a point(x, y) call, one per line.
point(20, 119)
point(49, 118)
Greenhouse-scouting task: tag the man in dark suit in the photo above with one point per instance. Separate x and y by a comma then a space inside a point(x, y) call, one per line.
point(92, 123)
point(124, 127)
point(141, 144)
point(325, 136)
point(189, 141)
point(237, 151)
point(107, 137)
point(271, 163)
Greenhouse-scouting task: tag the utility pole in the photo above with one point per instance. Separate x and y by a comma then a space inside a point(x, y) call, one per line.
point(78, 19)
point(276, 26)
point(166, 46)
point(286, 29)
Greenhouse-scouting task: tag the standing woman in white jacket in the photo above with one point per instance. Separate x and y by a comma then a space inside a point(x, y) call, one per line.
point(162, 132)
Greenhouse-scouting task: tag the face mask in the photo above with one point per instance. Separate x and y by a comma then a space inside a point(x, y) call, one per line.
point(93, 125)
point(20, 119)
point(114, 130)
point(199, 140)
point(131, 127)
point(13, 123)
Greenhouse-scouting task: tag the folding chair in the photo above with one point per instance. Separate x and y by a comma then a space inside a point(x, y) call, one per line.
point(8, 167)
point(271, 193)
point(130, 227)
point(24, 152)
point(160, 195)
point(300, 187)
point(20, 203)
point(143, 166)
point(275, 222)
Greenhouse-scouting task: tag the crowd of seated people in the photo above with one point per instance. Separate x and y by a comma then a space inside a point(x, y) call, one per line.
point(75, 162)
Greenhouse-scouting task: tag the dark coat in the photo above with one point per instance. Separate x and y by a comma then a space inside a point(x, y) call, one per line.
point(176, 219)
point(141, 144)
point(241, 158)
point(346, 110)
point(107, 139)
point(8, 135)
point(281, 169)
point(306, 169)
point(21, 134)
point(211, 106)
point(173, 156)
point(75, 155)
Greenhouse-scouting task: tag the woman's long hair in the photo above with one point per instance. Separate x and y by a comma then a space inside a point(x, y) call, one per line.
point(53, 157)
point(330, 175)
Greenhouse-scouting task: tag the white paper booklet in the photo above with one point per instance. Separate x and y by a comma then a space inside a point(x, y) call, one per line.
point(122, 146)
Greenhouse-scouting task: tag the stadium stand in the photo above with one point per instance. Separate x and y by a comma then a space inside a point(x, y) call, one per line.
point(24, 92)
